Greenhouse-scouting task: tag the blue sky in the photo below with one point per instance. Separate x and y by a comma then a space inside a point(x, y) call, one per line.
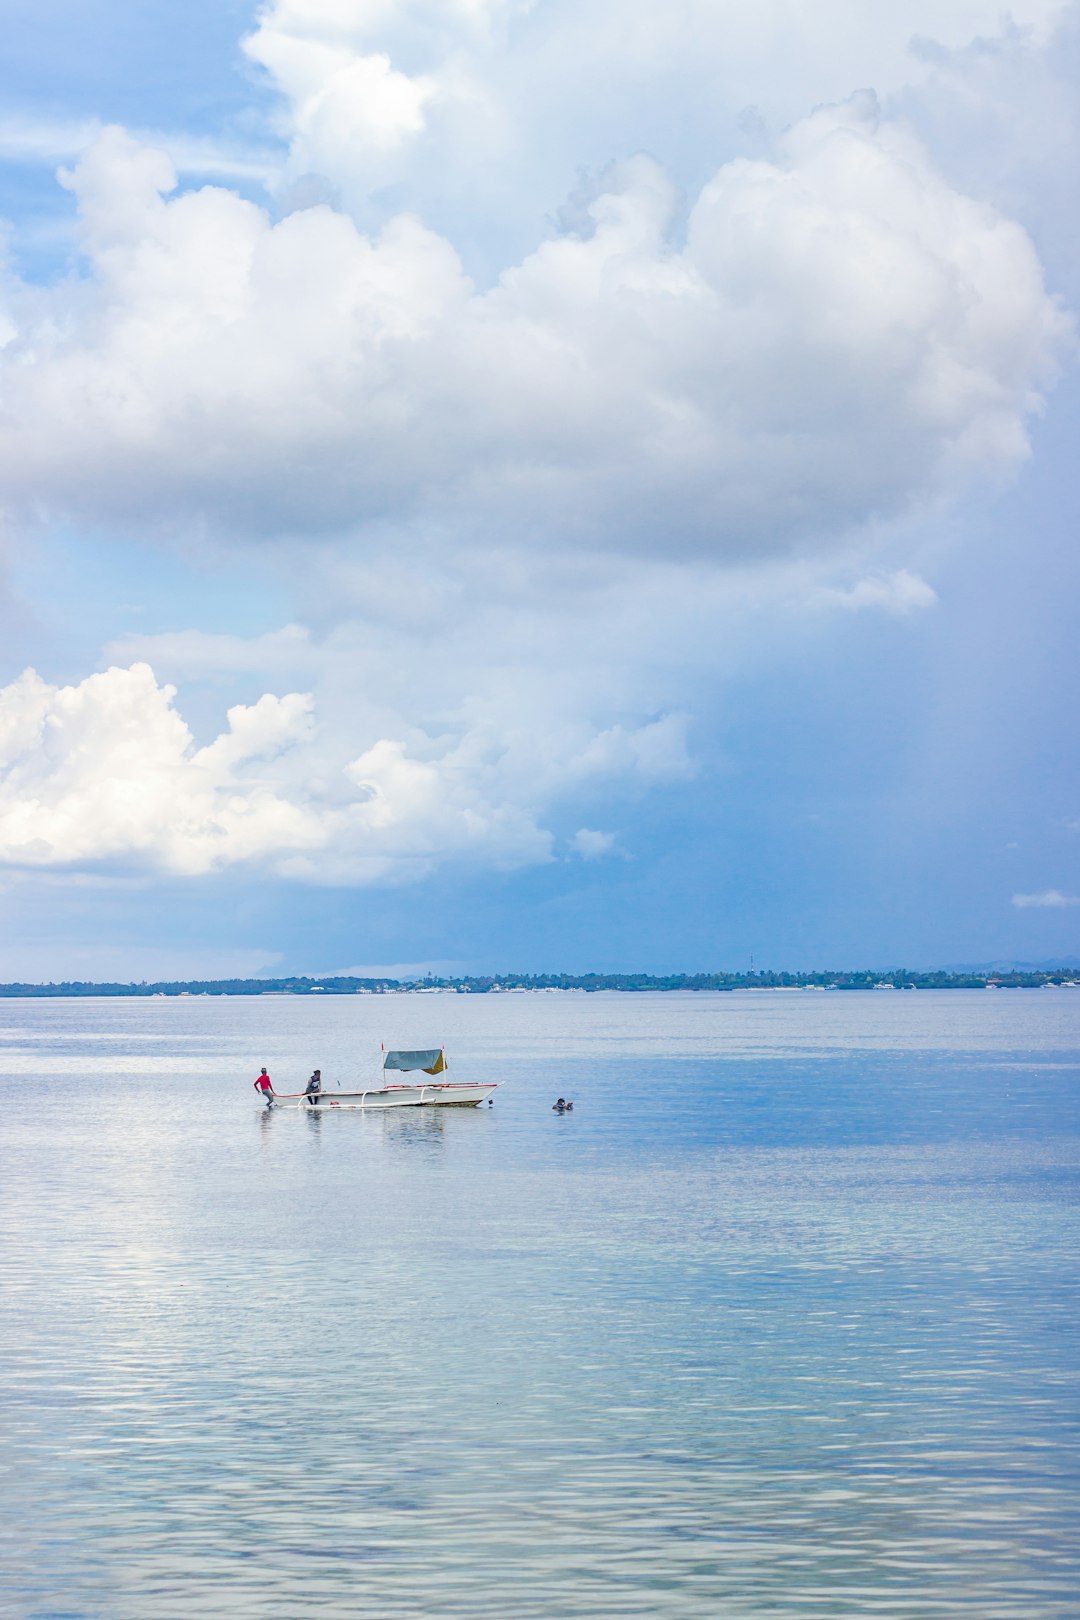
point(505, 485)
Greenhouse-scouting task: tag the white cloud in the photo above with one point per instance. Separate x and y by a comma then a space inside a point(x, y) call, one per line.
point(27, 138)
point(899, 594)
point(592, 845)
point(196, 652)
point(1053, 899)
point(107, 772)
point(376, 92)
point(842, 336)
point(341, 100)
point(656, 751)
point(1004, 113)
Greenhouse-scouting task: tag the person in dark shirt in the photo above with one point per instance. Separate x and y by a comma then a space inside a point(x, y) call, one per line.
point(313, 1088)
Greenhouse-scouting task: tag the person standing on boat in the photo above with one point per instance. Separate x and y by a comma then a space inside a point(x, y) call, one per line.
point(313, 1088)
point(265, 1086)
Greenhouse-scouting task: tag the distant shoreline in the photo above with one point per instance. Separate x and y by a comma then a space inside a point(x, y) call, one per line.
point(551, 983)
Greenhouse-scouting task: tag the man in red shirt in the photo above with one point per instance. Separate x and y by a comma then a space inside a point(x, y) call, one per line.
point(265, 1086)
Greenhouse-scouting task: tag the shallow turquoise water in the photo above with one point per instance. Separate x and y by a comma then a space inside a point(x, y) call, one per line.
point(781, 1321)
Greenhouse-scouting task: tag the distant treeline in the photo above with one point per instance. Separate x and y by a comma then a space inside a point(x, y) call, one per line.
point(486, 984)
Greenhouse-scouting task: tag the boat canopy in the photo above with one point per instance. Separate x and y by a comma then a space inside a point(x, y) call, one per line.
point(431, 1062)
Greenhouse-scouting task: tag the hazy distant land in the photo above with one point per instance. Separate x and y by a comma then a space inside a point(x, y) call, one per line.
point(1012, 978)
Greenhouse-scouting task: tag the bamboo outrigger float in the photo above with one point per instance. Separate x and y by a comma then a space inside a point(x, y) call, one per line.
point(430, 1094)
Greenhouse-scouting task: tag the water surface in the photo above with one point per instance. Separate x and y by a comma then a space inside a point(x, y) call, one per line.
point(779, 1322)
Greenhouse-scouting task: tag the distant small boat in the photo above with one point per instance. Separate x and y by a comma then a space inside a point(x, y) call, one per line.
point(441, 1093)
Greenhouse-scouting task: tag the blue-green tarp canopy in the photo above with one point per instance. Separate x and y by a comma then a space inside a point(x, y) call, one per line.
point(431, 1062)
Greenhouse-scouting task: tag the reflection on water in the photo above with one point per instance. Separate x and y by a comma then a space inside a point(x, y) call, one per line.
point(779, 1322)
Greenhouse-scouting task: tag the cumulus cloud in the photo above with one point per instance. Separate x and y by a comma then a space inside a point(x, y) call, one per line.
point(898, 594)
point(592, 845)
point(340, 99)
point(108, 769)
point(106, 772)
point(841, 336)
point(1004, 112)
point(1052, 899)
point(456, 80)
point(656, 751)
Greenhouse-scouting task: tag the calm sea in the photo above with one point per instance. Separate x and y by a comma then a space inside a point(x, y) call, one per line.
point(781, 1321)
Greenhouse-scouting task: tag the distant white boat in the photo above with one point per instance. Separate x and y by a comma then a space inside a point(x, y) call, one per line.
point(430, 1094)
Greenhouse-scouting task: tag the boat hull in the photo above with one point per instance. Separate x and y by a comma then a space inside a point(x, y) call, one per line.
point(432, 1096)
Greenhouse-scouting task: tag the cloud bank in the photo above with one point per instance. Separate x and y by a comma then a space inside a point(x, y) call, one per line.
point(106, 772)
point(374, 92)
point(837, 337)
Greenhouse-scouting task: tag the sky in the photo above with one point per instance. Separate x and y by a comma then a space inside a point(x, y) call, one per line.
point(521, 485)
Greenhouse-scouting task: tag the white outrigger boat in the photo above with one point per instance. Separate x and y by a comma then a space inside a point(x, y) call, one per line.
point(440, 1093)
